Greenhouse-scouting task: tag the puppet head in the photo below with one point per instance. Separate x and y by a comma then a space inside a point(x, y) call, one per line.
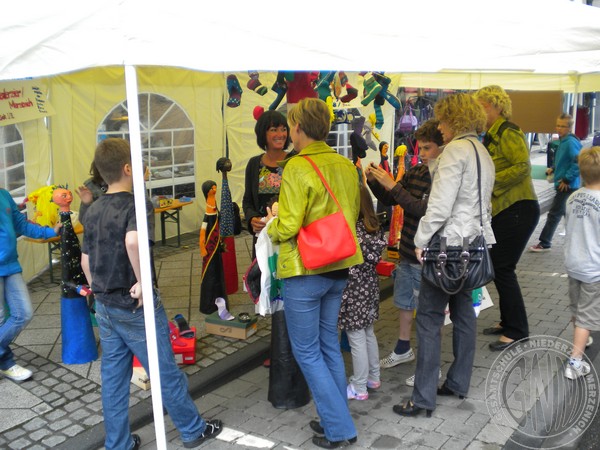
point(63, 198)
point(46, 211)
point(223, 165)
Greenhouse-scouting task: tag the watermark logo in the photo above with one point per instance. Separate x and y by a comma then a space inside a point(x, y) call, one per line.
point(531, 400)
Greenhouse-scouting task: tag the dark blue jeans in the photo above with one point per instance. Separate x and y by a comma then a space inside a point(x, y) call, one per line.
point(122, 335)
point(512, 228)
point(430, 319)
point(557, 212)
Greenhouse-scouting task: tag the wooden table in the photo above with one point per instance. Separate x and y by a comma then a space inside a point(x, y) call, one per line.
point(171, 214)
point(54, 246)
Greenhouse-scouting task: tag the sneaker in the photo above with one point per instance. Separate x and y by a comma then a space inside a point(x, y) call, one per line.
point(353, 395)
point(572, 372)
point(410, 381)
point(17, 373)
point(393, 359)
point(373, 384)
point(538, 248)
point(213, 428)
point(589, 342)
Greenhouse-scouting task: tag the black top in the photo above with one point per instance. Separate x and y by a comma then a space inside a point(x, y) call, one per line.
point(107, 222)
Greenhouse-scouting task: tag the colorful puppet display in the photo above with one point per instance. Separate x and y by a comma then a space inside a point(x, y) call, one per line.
point(78, 340)
point(212, 284)
point(397, 219)
point(226, 228)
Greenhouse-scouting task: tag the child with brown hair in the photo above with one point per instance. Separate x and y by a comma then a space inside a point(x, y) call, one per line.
point(360, 303)
point(582, 258)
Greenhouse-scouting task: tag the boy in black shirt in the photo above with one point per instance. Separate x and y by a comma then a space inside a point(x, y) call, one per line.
point(110, 260)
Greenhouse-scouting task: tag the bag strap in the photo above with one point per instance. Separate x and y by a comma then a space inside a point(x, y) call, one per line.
point(478, 183)
point(323, 180)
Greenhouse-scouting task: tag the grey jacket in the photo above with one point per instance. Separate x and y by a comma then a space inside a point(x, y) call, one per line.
point(453, 206)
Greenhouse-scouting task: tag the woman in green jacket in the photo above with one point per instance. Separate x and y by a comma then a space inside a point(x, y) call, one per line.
point(313, 297)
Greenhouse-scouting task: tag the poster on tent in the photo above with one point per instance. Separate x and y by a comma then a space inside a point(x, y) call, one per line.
point(23, 100)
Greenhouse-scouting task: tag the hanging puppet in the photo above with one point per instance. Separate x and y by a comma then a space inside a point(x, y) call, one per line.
point(397, 219)
point(212, 281)
point(78, 340)
point(226, 229)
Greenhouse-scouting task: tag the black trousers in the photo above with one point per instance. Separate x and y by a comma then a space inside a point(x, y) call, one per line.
point(512, 228)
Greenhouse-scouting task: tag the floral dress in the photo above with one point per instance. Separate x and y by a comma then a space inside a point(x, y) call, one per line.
point(360, 300)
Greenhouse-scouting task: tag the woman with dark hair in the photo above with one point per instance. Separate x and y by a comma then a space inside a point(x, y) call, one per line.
point(263, 173)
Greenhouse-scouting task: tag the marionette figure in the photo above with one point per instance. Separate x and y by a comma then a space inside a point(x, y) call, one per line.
point(78, 340)
point(385, 165)
point(397, 219)
point(212, 282)
point(226, 228)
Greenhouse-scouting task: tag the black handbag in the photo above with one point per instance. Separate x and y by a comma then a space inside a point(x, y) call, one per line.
point(459, 268)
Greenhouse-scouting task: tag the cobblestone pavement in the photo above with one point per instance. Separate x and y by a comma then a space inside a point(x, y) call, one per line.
point(60, 407)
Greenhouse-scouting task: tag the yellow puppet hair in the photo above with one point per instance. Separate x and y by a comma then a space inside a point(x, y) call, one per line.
point(400, 150)
point(45, 210)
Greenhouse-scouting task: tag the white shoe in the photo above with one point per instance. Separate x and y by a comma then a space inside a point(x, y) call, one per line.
point(17, 373)
point(393, 359)
point(572, 372)
point(410, 381)
point(589, 342)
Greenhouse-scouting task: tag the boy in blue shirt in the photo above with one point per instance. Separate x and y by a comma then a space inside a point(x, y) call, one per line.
point(13, 290)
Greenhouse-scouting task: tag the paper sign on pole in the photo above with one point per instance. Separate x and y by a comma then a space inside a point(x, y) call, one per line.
point(23, 100)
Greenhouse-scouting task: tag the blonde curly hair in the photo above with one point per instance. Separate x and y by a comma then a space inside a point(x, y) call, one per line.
point(497, 97)
point(462, 113)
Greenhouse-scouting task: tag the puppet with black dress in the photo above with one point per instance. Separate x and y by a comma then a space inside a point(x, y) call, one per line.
point(226, 227)
point(212, 284)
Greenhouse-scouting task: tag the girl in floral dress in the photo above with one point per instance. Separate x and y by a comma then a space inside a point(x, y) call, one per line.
point(360, 303)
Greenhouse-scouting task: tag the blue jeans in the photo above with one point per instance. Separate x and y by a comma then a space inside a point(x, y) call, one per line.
point(430, 318)
point(407, 282)
point(13, 294)
point(122, 335)
point(557, 212)
point(312, 306)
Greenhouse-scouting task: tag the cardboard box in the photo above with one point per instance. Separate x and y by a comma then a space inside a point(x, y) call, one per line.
point(140, 378)
point(230, 328)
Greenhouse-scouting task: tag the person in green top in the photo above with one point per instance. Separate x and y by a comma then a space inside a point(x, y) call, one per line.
point(515, 212)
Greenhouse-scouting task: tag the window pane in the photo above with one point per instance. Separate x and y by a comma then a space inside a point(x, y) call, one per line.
point(12, 163)
point(167, 141)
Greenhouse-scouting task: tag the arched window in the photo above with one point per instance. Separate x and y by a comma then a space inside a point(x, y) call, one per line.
point(167, 143)
point(12, 162)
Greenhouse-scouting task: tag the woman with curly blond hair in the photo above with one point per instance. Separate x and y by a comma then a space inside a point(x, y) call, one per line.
point(453, 211)
point(515, 212)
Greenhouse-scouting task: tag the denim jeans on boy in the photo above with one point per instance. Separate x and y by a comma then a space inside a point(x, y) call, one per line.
point(122, 335)
point(430, 319)
point(312, 305)
point(14, 296)
point(557, 212)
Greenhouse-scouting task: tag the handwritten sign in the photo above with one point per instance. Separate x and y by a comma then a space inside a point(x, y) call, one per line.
point(23, 100)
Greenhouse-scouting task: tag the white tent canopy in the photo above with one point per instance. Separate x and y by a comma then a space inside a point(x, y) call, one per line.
point(458, 44)
point(554, 44)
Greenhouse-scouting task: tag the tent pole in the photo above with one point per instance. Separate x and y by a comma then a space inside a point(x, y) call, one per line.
point(139, 191)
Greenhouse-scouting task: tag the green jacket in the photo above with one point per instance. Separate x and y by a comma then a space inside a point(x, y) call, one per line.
point(513, 168)
point(303, 199)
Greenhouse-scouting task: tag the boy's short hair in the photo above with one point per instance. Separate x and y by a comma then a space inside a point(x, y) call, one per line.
point(428, 132)
point(313, 116)
point(568, 118)
point(110, 157)
point(589, 165)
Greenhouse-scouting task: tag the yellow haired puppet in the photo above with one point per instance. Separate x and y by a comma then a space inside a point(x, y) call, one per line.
point(397, 219)
point(45, 210)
